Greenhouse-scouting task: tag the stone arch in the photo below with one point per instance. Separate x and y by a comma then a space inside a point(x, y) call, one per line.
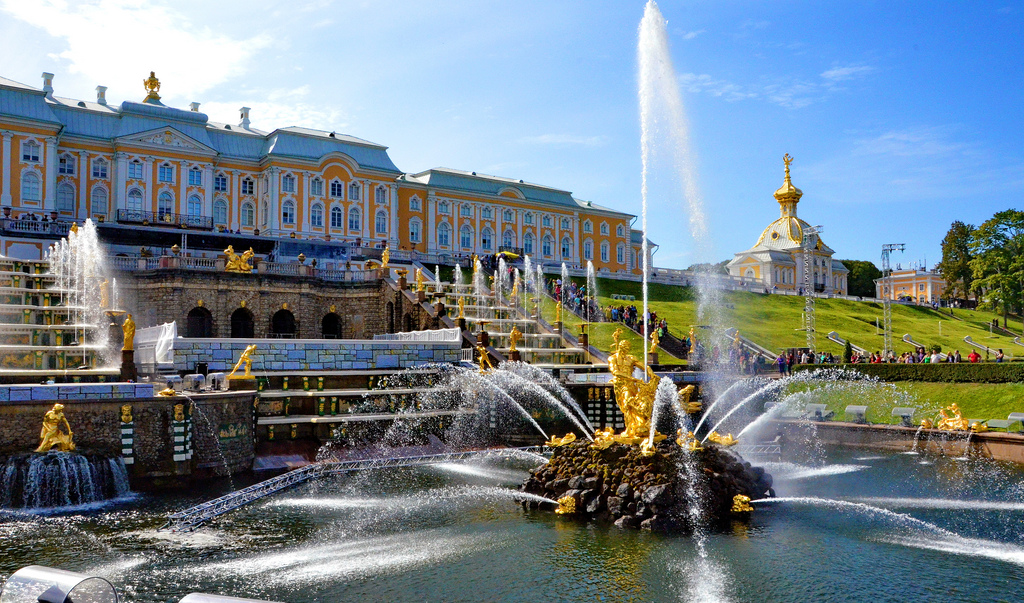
point(389, 313)
point(199, 323)
point(243, 326)
point(282, 324)
point(408, 323)
point(330, 326)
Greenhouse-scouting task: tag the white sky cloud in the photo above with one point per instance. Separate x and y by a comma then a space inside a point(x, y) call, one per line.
point(565, 140)
point(849, 72)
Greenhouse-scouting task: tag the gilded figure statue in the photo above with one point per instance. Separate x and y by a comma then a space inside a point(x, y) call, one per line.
point(558, 312)
point(152, 86)
point(953, 420)
point(238, 263)
point(634, 396)
point(484, 359)
point(385, 257)
point(556, 441)
point(515, 290)
point(514, 337)
point(462, 307)
point(419, 280)
point(51, 435)
point(655, 340)
point(722, 440)
point(126, 413)
point(244, 360)
point(128, 327)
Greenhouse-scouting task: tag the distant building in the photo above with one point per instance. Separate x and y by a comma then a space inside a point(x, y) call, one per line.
point(921, 286)
point(778, 257)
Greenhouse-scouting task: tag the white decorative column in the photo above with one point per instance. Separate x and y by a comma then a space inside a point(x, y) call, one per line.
point(431, 233)
point(367, 195)
point(147, 178)
point(50, 196)
point(476, 234)
point(234, 194)
point(84, 210)
point(274, 205)
point(182, 202)
point(120, 180)
point(393, 229)
point(5, 192)
point(519, 229)
point(208, 190)
point(578, 246)
point(305, 202)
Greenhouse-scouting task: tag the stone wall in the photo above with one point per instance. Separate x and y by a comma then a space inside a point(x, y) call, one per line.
point(18, 393)
point(311, 354)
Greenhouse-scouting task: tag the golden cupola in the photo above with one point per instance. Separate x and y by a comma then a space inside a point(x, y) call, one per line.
point(788, 195)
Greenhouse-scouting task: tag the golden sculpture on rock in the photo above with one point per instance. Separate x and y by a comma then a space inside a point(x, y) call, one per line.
point(723, 440)
point(238, 263)
point(953, 421)
point(514, 337)
point(128, 328)
point(635, 398)
point(51, 436)
point(741, 504)
point(566, 506)
point(484, 358)
point(556, 441)
point(244, 360)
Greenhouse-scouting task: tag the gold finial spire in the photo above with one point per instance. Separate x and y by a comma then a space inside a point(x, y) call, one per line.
point(788, 195)
point(787, 159)
point(152, 86)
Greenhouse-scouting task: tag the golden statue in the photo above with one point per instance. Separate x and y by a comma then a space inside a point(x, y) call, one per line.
point(556, 441)
point(167, 392)
point(927, 423)
point(566, 506)
point(419, 279)
point(558, 312)
point(655, 340)
point(462, 307)
point(741, 504)
point(152, 86)
point(685, 396)
point(385, 257)
point(126, 413)
point(244, 360)
point(179, 412)
point(51, 436)
point(726, 440)
point(484, 359)
point(105, 294)
point(514, 337)
point(635, 397)
point(238, 263)
point(129, 333)
point(953, 421)
point(515, 290)
point(74, 228)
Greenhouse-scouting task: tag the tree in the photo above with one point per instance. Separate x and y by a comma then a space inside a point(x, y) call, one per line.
point(861, 281)
point(955, 266)
point(848, 352)
point(998, 263)
point(710, 268)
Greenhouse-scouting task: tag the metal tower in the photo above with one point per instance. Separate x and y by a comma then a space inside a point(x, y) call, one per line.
point(810, 241)
point(887, 249)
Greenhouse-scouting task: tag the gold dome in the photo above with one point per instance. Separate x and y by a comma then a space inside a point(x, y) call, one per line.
point(783, 233)
point(788, 195)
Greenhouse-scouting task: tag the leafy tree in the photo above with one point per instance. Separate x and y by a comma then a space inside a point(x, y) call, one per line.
point(709, 268)
point(861, 281)
point(955, 266)
point(848, 352)
point(998, 263)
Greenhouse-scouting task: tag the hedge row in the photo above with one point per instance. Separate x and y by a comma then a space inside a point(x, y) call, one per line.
point(982, 372)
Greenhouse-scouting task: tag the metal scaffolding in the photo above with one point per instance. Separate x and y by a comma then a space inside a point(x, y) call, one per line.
point(809, 243)
point(887, 249)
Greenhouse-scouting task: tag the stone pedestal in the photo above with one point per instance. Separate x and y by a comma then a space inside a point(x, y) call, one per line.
point(439, 308)
point(421, 296)
point(558, 327)
point(403, 284)
point(128, 371)
point(483, 338)
point(462, 323)
point(383, 272)
point(241, 382)
point(652, 358)
point(515, 356)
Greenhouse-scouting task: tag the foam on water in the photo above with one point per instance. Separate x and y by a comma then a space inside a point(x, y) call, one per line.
point(793, 472)
point(942, 503)
point(505, 475)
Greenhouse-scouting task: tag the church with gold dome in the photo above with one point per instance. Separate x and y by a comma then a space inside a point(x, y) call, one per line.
point(777, 259)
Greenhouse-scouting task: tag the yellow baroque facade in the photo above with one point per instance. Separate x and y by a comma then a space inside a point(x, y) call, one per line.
point(146, 166)
point(777, 259)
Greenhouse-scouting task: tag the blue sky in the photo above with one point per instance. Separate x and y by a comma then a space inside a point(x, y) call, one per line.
point(902, 116)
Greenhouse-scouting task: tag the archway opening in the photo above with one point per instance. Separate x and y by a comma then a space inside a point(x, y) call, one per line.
point(199, 323)
point(330, 326)
point(283, 324)
point(242, 324)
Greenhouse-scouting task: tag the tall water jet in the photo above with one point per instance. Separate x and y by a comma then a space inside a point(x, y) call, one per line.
point(457, 277)
point(437, 278)
point(565, 283)
point(591, 290)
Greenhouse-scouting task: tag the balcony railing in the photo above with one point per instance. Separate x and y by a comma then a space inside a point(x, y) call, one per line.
point(149, 218)
point(200, 264)
point(50, 227)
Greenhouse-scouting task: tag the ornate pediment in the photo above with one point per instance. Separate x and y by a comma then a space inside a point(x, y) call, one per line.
point(166, 137)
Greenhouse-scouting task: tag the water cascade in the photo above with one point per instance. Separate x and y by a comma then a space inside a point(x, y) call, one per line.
point(60, 479)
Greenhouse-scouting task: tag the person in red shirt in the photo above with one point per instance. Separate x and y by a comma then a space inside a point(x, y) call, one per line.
point(974, 356)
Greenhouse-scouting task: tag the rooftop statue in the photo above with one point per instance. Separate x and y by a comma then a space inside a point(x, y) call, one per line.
point(51, 436)
point(152, 86)
point(238, 263)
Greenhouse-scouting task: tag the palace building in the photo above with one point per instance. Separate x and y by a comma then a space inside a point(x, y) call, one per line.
point(151, 174)
point(778, 257)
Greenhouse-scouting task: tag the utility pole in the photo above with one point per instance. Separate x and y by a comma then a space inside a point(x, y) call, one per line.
point(887, 249)
point(810, 241)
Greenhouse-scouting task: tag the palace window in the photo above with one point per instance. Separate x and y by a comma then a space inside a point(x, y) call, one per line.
point(528, 219)
point(30, 190)
point(414, 231)
point(466, 237)
point(588, 250)
point(588, 227)
point(164, 204)
point(414, 204)
point(99, 168)
point(620, 231)
point(507, 215)
point(30, 151)
point(487, 213)
point(565, 223)
point(381, 195)
point(316, 215)
point(566, 248)
point(220, 211)
point(604, 228)
point(195, 206)
point(165, 173)
point(620, 253)
point(444, 234)
point(546, 221)
point(248, 186)
point(195, 177)
point(66, 198)
point(486, 239)
point(220, 183)
point(66, 165)
point(264, 211)
point(548, 243)
point(528, 243)
point(99, 200)
point(337, 189)
point(135, 200)
point(442, 208)
point(288, 183)
point(337, 218)
point(248, 214)
point(354, 223)
point(604, 252)
point(353, 192)
point(288, 212)
point(466, 211)
point(135, 170)
point(380, 223)
point(316, 187)
point(508, 239)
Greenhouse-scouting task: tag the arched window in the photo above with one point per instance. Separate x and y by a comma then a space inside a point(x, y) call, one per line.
point(466, 211)
point(604, 228)
point(316, 215)
point(30, 187)
point(199, 323)
point(337, 217)
point(30, 151)
point(99, 200)
point(444, 234)
point(528, 243)
point(381, 195)
point(100, 168)
point(354, 222)
point(415, 235)
point(242, 324)
point(380, 223)
point(466, 236)
point(414, 204)
point(442, 207)
point(353, 191)
point(264, 212)
point(566, 248)
point(220, 211)
point(565, 223)
point(135, 170)
point(316, 187)
point(588, 250)
point(195, 177)
point(164, 204)
point(546, 221)
point(604, 251)
point(248, 214)
point(330, 326)
point(508, 239)
point(248, 186)
point(620, 230)
point(283, 324)
point(288, 212)
point(486, 239)
point(588, 227)
point(620, 253)
point(66, 198)
point(288, 183)
point(66, 164)
point(135, 200)
point(547, 246)
point(487, 213)
point(220, 183)
point(337, 189)
point(508, 215)
point(195, 206)
point(528, 219)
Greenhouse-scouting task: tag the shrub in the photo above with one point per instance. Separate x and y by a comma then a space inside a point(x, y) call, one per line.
point(982, 372)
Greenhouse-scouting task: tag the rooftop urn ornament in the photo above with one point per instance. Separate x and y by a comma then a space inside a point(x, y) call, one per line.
point(152, 86)
point(51, 436)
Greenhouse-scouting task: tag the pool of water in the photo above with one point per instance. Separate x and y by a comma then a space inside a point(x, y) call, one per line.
point(851, 525)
